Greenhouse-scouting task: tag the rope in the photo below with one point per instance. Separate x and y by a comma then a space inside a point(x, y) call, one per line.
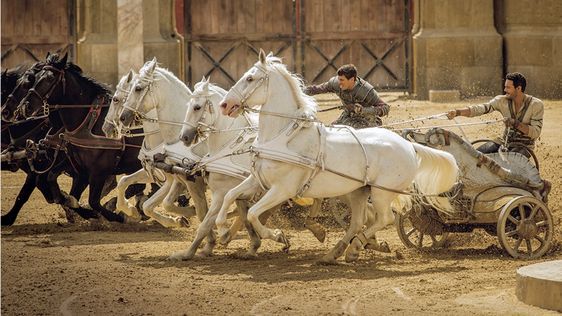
point(454, 125)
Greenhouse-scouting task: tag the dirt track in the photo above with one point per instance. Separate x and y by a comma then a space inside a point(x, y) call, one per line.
point(51, 267)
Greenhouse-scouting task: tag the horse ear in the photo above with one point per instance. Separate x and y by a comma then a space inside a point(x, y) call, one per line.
point(270, 54)
point(153, 64)
point(262, 56)
point(130, 76)
point(64, 59)
point(48, 54)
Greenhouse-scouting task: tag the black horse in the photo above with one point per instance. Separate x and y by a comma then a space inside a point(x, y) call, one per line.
point(79, 105)
point(14, 141)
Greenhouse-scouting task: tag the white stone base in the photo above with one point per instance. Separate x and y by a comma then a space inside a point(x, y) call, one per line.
point(540, 285)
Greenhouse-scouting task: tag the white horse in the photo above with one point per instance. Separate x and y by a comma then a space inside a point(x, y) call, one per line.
point(297, 155)
point(157, 89)
point(155, 138)
point(152, 143)
point(223, 169)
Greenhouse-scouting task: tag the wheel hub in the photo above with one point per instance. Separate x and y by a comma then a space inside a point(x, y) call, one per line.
point(527, 229)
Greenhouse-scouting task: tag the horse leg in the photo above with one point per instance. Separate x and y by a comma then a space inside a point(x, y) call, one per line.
point(96, 187)
point(204, 229)
point(372, 242)
point(123, 204)
point(149, 206)
point(317, 230)
point(169, 205)
point(23, 196)
point(357, 202)
point(273, 197)
point(247, 188)
point(79, 184)
point(381, 203)
point(197, 190)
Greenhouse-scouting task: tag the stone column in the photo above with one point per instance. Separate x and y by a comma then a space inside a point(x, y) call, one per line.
point(456, 47)
point(130, 47)
point(532, 31)
point(117, 35)
point(96, 47)
point(160, 36)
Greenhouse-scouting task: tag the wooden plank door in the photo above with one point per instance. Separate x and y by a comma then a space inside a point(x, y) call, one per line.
point(31, 28)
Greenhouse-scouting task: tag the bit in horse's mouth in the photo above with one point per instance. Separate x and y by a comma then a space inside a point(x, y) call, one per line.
point(234, 109)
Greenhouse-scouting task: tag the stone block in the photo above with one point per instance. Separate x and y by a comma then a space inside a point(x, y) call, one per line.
point(444, 95)
point(540, 285)
point(449, 52)
point(524, 49)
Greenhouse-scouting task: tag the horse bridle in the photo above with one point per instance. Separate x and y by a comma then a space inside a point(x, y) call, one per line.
point(139, 116)
point(44, 99)
point(262, 80)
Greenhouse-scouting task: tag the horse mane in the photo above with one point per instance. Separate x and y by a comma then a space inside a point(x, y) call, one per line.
point(143, 73)
point(305, 102)
point(212, 87)
point(99, 88)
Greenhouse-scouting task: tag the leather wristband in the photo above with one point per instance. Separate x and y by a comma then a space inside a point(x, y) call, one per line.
point(457, 112)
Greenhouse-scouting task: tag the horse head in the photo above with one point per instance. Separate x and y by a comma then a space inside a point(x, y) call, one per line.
point(250, 90)
point(137, 103)
point(49, 81)
point(111, 126)
point(202, 109)
point(15, 85)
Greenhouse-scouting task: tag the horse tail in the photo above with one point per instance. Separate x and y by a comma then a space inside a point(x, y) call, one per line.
point(437, 173)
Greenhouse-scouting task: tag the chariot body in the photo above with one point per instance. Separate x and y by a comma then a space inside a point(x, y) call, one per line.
point(496, 192)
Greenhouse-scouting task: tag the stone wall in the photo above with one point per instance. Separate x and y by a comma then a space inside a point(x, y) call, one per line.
point(114, 36)
point(532, 32)
point(469, 45)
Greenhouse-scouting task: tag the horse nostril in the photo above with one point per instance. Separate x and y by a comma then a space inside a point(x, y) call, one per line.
point(185, 138)
point(122, 119)
point(223, 105)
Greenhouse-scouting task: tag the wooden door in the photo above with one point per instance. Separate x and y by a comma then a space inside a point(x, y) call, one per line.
point(372, 34)
point(223, 37)
point(31, 28)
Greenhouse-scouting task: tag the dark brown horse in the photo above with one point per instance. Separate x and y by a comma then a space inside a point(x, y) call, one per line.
point(78, 104)
point(15, 136)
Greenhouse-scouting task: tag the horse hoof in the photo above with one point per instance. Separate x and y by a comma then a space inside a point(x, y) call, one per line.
point(225, 238)
point(182, 221)
point(327, 261)
point(69, 214)
point(282, 239)
point(180, 256)
point(352, 252)
point(380, 247)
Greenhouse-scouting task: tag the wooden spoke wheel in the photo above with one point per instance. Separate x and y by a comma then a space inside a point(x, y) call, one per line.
point(420, 230)
point(525, 227)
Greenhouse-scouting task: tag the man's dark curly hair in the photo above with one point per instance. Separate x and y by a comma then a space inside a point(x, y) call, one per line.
point(349, 71)
point(518, 80)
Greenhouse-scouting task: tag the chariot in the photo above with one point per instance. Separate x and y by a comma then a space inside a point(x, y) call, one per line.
point(497, 192)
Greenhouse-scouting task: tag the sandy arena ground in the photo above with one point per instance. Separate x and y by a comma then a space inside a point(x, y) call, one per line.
point(52, 267)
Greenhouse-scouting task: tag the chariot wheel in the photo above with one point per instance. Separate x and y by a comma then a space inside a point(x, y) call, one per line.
point(419, 230)
point(525, 227)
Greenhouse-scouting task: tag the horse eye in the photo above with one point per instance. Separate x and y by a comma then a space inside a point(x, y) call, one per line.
point(138, 88)
point(250, 79)
point(197, 108)
point(116, 100)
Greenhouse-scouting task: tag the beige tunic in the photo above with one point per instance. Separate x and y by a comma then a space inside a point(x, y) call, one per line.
point(531, 114)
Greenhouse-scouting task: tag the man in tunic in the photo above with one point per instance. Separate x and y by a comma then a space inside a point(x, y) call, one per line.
point(523, 118)
point(362, 105)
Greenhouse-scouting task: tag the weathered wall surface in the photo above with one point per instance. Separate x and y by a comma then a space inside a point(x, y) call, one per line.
point(117, 35)
point(456, 46)
point(532, 32)
point(468, 45)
